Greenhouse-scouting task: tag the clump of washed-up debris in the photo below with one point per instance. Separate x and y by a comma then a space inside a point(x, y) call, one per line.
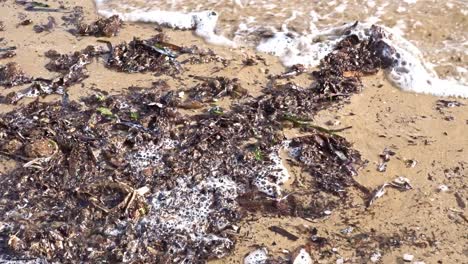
point(12, 75)
point(103, 27)
point(130, 178)
point(153, 55)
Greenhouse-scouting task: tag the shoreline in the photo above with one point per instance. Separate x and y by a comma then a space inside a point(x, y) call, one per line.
point(381, 117)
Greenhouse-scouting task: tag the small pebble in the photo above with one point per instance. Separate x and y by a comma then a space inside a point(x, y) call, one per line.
point(340, 261)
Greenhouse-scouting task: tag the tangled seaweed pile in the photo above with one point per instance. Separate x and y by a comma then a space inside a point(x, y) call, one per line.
point(130, 178)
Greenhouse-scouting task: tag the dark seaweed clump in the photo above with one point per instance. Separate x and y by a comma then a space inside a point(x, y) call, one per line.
point(129, 178)
point(152, 55)
point(12, 75)
point(144, 56)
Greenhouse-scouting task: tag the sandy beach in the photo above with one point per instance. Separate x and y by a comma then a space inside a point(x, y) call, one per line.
point(427, 138)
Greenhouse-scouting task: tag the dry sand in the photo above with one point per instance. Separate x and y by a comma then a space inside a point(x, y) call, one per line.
point(381, 117)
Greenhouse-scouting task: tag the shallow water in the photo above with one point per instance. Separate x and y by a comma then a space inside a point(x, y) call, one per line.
point(436, 28)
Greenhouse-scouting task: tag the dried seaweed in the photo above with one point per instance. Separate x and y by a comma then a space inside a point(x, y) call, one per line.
point(213, 88)
point(283, 232)
point(7, 54)
point(45, 27)
point(35, 6)
point(74, 17)
point(143, 56)
point(341, 69)
point(103, 27)
point(72, 68)
point(12, 75)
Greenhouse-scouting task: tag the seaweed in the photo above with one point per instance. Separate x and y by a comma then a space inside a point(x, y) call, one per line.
point(213, 88)
point(12, 75)
point(72, 69)
point(45, 27)
point(143, 56)
point(130, 178)
point(7, 54)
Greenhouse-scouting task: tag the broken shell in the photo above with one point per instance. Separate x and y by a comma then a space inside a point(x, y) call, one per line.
point(443, 188)
point(302, 257)
point(257, 256)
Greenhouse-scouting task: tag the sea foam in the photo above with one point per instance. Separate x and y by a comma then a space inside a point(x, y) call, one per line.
point(203, 22)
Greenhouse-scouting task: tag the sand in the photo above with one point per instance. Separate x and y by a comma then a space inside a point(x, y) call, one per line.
point(381, 117)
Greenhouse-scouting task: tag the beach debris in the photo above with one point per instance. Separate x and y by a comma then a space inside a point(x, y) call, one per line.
point(460, 201)
point(411, 163)
point(145, 182)
point(35, 6)
point(301, 256)
point(408, 257)
point(400, 183)
point(2, 26)
point(46, 27)
point(346, 231)
point(213, 88)
point(384, 159)
point(5, 49)
point(72, 68)
point(143, 56)
point(103, 27)
point(74, 17)
point(334, 168)
point(12, 75)
point(292, 72)
point(25, 22)
point(7, 54)
point(258, 256)
point(375, 257)
point(249, 61)
point(442, 103)
point(283, 232)
point(442, 188)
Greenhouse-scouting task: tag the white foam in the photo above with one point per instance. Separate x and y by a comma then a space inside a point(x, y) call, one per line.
point(270, 178)
point(203, 22)
point(189, 212)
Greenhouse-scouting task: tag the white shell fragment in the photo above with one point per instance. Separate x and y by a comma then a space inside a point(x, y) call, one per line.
point(302, 257)
point(258, 256)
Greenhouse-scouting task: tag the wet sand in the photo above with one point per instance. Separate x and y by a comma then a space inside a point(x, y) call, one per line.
point(381, 117)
